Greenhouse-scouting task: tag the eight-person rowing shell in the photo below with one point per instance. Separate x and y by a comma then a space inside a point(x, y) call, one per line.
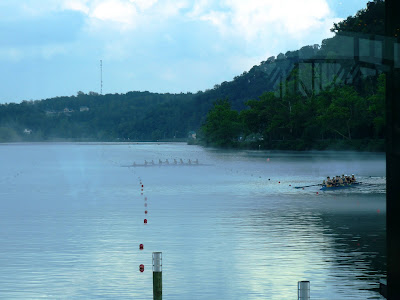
point(335, 182)
point(339, 182)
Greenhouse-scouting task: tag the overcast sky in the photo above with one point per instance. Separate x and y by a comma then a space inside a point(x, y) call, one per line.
point(52, 48)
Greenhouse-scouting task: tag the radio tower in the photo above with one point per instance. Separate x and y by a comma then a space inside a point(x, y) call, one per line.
point(101, 77)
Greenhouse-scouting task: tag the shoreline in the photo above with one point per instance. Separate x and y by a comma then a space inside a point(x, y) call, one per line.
point(359, 145)
point(233, 149)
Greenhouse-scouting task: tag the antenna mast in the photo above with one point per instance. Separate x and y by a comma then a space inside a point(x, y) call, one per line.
point(101, 77)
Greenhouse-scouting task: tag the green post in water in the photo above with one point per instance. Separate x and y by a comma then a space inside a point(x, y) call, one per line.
point(157, 275)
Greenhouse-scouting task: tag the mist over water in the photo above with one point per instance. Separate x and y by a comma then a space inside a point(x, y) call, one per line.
point(232, 227)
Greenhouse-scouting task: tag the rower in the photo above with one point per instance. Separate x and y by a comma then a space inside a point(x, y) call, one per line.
point(353, 179)
point(340, 180)
point(328, 182)
point(344, 179)
point(323, 183)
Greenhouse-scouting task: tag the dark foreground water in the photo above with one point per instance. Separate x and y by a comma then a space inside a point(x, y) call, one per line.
point(72, 218)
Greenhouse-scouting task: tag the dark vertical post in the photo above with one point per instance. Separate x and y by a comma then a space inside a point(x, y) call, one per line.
point(320, 76)
point(372, 45)
point(392, 23)
point(280, 88)
point(296, 78)
point(313, 77)
point(372, 53)
point(356, 44)
point(157, 275)
point(101, 77)
point(303, 290)
point(286, 83)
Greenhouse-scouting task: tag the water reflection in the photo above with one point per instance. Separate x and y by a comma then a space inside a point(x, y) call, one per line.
point(343, 249)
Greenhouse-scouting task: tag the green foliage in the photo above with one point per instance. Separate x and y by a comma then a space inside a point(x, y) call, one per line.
point(222, 127)
point(377, 107)
point(338, 118)
point(8, 135)
point(343, 113)
point(131, 116)
point(369, 20)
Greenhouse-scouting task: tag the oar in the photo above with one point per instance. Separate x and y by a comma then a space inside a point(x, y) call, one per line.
point(299, 187)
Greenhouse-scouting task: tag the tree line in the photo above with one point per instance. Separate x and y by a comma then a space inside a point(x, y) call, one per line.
point(337, 118)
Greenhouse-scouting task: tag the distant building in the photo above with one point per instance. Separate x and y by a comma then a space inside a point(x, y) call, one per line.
point(68, 110)
point(192, 135)
point(83, 108)
point(27, 131)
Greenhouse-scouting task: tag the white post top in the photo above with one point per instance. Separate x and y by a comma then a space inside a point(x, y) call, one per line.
point(157, 261)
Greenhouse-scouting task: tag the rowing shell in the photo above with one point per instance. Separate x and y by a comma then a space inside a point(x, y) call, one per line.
point(340, 187)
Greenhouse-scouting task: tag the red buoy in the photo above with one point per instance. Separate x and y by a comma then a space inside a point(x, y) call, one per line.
point(145, 212)
point(317, 193)
point(142, 185)
point(141, 246)
point(279, 182)
point(141, 268)
point(145, 221)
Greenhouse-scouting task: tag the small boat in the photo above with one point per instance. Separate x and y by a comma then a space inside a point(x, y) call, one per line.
point(339, 187)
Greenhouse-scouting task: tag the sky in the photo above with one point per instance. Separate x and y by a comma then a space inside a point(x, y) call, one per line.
point(51, 48)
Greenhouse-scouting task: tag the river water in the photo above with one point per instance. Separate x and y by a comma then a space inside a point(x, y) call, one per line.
point(232, 227)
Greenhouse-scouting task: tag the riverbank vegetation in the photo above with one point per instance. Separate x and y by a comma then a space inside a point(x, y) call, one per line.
point(338, 118)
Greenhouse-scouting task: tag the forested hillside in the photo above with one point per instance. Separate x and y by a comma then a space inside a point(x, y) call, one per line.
point(152, 116)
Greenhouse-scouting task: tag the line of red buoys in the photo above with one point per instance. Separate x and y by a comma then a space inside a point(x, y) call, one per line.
point(141, 246)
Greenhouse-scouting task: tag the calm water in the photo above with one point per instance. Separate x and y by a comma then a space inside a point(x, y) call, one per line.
point(71, 221)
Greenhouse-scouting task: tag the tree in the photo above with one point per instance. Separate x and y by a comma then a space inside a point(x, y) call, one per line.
point(343, 112)
point(377, 107)
point(222, 126)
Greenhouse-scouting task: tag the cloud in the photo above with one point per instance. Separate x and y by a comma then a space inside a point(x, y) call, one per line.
point(118, 11)
point(252, 19)
point(77, 5)
point(143, 4)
